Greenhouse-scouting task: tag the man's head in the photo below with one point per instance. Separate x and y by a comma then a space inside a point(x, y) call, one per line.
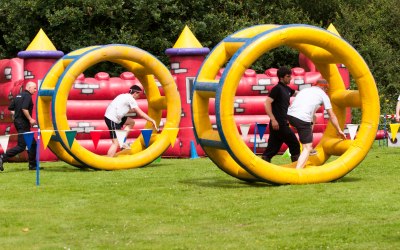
point(31, 87)
point(284, 74)
point(135, 91)
point(322, 83)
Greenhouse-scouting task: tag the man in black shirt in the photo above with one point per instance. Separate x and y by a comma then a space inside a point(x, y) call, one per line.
point(276, 106)
point(21, 106)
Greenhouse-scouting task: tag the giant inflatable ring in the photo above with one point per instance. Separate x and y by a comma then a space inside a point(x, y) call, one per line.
point(237, 53)
point(53, 96)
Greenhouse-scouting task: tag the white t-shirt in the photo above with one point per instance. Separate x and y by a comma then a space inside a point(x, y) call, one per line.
point(307, 101)
point(120, 106)
point(398, 99)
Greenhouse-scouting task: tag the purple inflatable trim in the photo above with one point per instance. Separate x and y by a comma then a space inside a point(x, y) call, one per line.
point(40, 54)
point(187, 51)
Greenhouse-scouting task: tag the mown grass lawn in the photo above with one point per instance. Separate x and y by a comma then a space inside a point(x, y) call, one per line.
point(191, 204)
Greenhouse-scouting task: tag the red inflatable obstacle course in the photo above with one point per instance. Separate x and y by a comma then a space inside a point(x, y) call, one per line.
point(89, 96)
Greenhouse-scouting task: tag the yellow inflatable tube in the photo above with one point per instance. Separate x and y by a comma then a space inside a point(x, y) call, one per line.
point(53, 95)
point(319, 45)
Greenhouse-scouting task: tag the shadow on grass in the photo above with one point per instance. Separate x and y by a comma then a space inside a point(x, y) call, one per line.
point(347, 179)
point(69, 168)
point(234, 183)
point(49, 169)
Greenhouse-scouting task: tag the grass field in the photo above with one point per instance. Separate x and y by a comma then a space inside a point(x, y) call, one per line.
point(191, 204)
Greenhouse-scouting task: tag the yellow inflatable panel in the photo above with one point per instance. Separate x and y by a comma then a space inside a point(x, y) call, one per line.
point(53, 96)
point(237, 53)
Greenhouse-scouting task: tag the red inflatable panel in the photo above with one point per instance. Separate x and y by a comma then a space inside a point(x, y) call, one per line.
point(83, 128)
point(94, 109)
point(311, 77)
point(101, 87)
point(262, 143)
point(104, 144)
point(249, 105)
point(45, 154)
point(8, 129)
point(5, 115)
point(11, 75)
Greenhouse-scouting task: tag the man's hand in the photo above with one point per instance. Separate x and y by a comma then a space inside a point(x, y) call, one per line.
point(154, 124)
point(32, 122)
point(342, 134)
point(275, 124)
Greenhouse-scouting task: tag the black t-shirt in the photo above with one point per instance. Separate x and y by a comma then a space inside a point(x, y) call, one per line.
point(20, 102)
point(281, 94)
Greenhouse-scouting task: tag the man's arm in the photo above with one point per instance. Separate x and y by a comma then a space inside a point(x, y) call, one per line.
point(335, 122)
point(11, 108)
point(398, 111)
point(145, 116)
point(29, 117)
point(268, 110)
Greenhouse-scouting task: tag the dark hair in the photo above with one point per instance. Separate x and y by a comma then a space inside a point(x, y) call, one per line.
point(282, 71)
point(134, 89)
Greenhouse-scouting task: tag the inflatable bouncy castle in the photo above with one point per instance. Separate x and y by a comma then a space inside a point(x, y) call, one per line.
point(90, 95)
point(30, 65)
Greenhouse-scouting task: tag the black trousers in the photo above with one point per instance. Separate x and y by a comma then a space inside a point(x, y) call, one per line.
point(277, 138)
point(22, 127)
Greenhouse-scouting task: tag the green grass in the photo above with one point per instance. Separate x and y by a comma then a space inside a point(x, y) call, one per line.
point(191, 204)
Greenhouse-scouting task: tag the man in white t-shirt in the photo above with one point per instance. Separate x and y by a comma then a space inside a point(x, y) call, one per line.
point(301, 114)
point(398, 110)
point(115, 116)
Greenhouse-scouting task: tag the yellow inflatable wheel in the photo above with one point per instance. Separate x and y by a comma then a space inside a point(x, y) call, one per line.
point(53, 96)
point(237, 53)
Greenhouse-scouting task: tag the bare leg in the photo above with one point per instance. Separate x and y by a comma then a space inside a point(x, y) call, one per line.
point(113, 148)
point(304, 155)
point(313, 151)
point(128, 127)
point(129, 124)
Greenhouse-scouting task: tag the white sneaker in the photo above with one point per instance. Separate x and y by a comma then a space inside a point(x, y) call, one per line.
point(126, 145)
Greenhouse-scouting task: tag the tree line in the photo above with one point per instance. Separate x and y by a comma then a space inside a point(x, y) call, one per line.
point(371, 27)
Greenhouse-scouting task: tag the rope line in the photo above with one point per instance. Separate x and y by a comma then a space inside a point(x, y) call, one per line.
point(130, 130)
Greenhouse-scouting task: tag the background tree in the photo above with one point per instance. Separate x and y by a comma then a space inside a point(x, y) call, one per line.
point(370, 26)
point(373, 30)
